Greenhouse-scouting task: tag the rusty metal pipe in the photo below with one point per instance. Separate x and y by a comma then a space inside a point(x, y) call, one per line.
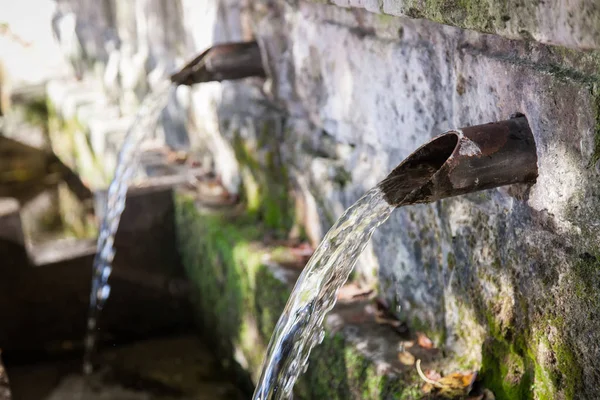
point(221, 62)
point(465, 160)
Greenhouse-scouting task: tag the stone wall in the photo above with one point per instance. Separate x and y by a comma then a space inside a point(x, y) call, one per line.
point(506, 279)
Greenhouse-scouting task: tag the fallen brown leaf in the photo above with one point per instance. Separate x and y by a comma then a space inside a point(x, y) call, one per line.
point(458, 380)
point(453, 386)
point(424, 341)
point(433, 375)
point(406, 358)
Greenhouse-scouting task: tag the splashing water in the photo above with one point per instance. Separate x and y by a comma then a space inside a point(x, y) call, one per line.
point(299, 328)
point(141, 127)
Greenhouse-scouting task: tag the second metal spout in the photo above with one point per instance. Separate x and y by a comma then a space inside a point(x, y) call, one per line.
point(463, 161)
point(221, 62)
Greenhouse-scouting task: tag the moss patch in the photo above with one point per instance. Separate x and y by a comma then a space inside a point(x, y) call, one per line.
point(506, 370)
point(265, 178)
point(238, 300)
point(338, 371)
point(36, 112)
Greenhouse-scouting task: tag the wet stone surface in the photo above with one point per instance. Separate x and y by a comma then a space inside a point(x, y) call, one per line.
point(176, 368)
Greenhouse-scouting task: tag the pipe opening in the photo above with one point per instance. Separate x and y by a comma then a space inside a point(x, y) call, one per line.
point(418, 169)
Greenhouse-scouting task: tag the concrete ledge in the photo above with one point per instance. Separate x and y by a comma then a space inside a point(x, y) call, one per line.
point(44, 296)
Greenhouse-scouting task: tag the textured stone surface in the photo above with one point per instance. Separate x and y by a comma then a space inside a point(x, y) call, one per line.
point(240, 285)
point(505, 280)
point(501, 264)
point(573, 24)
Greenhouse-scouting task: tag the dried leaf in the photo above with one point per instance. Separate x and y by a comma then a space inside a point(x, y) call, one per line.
point(453, 386)
point(406, 358)
point(456, 385)
point(433, 375)
point(424, 341)
point(458, 379)
point(407, 344)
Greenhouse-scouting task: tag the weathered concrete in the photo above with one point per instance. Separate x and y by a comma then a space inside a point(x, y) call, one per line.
point(572, 24)
point(507, 277)
point(44, 302)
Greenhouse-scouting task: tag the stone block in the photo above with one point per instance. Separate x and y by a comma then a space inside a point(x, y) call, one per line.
point(44, 303)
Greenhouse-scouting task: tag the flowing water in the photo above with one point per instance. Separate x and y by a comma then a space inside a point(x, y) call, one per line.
point(141, 127)
point(299, 328)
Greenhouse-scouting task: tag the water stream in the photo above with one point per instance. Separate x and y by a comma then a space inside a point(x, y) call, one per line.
point(140, 128)
point(299, 328)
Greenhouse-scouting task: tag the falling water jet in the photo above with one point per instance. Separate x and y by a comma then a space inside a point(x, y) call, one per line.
point(221, 62)
point(456, 162)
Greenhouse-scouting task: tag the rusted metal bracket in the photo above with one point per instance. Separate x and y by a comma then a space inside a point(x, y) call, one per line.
point(465, 160)
point(221, 62)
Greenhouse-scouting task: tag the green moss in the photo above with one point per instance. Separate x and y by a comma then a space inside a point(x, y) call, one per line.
point(506, 370)
point(571, 373)
point(484, 16)
point(342, 177)
point(385, 19)
point(238, 300)
point(265, 179)
point(36, 112)
point(338, 371)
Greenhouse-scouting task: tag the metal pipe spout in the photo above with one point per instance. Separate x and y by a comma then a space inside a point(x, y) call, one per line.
point(229, 61)
point(465, 160)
